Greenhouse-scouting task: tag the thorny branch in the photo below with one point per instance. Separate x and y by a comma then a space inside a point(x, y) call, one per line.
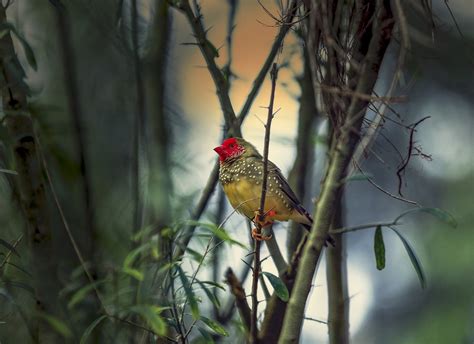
point(261, 212)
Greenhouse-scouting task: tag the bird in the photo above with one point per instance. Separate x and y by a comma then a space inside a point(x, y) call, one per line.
point(241, 176)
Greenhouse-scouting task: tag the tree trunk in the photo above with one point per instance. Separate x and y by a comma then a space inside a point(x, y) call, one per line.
point(43, 263)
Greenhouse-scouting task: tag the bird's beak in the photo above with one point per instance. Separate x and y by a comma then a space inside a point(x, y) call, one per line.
point(220, 150)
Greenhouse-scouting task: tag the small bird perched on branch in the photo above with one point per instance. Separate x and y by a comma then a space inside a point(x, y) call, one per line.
point(241, 176)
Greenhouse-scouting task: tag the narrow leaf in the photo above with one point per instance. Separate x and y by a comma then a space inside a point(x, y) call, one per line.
point(91, 328)
point(150, 314)
point(217, 328)
point(414, 259)
point(57, 324)
point(9, 246)
point(379, 248)
point(189, 293)
point(134, 254)
point(21, 285)
point(137, 274)
point(219, 232)
point(441, 214)
point(210, 295)
point(206, 336)
point(82, 293)
point(278, 286)
point(196, 255)
point(8, 171)
point(214, 284)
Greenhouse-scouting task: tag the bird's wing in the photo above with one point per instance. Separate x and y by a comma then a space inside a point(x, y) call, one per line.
point(273, 170)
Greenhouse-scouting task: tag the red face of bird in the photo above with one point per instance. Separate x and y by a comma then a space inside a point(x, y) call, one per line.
point(229, 149)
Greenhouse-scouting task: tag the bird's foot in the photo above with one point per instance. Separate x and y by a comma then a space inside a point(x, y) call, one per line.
point(259, 236)
point(262, 222)
point(265, 220)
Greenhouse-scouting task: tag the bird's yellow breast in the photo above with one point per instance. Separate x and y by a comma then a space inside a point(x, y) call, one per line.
point(245, 196)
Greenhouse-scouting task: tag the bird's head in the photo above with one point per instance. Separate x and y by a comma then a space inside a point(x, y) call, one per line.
point(234, 148)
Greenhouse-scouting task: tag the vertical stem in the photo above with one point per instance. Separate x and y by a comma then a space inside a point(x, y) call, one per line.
point(255, 275)
point(336, 274)
point(72, 90)
point(300, 175)
point(261, 212)
point(138, 121)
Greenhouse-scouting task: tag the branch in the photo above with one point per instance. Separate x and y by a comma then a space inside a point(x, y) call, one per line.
point(240, 298)
point(301, 173)
point(275, 253)
point(209, 53)
point(261, 211)
point(336, 275)
point(30, 184)
point(275, 310)
point(339, 161)
point(284, 28)
point(405, 162)
point(365, 226)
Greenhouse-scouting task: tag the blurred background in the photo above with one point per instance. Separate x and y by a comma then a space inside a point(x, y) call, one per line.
point(386, 306)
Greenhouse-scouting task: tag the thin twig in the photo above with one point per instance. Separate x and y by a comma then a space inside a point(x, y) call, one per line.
point(293, 7)
point(365, 226)
point(10, 252)
point(404, 164)
point(68, 230)
point(208, 51)
point(371, 181)
point(261, 211)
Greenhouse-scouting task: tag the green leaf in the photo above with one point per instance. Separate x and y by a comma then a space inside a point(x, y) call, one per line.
point(82, 293)
point(214, 284)
point(150, 314)
point(9, 246)
point(379, 248)
point(217, 231)
point(91, 328)
point(437, 212)
point(134, 254)
point(57, 324)
point(21, 285)
point(278, 286)
point(206, 336)
point(210, 295)
point(30, 55)
point(217, 328)
point(143, 233)
point(413, 258)
point(137, 274)
point(19, 267)
point(189, 293)
point(2, 170)
point(196, 255)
